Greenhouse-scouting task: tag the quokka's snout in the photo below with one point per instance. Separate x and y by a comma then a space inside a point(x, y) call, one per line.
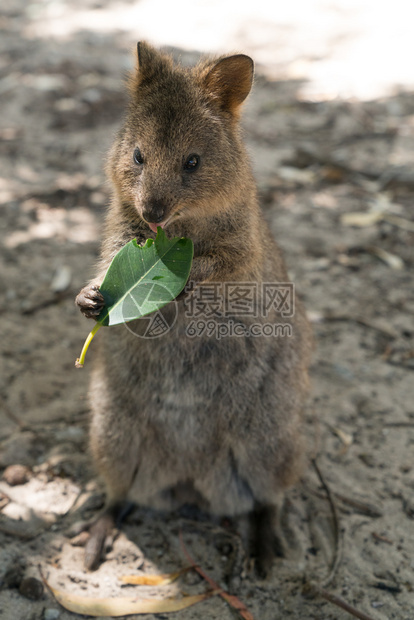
point(154, 211)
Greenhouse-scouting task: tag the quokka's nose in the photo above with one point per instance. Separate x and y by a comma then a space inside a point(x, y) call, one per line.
point(154, 212)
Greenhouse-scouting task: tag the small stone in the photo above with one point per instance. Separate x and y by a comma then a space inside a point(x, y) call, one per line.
point(61, 279)
point(14, 574)
point(67, 104)
point(16, 474)
point(31, 588)
point(51, 614)
point(70, 433)
point(91, 95)
point(80, 539)
point(377, 604)
point(47, 82)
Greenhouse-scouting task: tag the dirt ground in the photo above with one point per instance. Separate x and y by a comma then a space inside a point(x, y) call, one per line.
point(316, 164)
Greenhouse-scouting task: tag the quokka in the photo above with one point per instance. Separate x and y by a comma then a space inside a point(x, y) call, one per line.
point(215, 422)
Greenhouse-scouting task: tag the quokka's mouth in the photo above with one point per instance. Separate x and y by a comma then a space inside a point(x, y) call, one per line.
point(155, 226)
point(163, 224)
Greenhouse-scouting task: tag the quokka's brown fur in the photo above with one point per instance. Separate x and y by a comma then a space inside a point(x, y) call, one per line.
point(174, 419)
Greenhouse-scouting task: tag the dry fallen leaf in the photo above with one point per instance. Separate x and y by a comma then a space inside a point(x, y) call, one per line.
point(392, 260)
point(121, 606)
point(400, 222)
point(153, 580)
point(361, 219)
point(346, 438)
point(378, 324)
point(294, 175)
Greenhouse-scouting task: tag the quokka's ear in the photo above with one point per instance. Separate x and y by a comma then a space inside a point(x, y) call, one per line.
point(150, 63)
point(146, 55)
point(230, 81)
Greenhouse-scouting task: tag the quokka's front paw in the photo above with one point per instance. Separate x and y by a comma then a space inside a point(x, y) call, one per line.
point(90, 301)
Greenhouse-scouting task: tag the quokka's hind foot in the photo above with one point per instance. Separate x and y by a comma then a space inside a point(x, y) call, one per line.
point(265, 540)
point(101, 531)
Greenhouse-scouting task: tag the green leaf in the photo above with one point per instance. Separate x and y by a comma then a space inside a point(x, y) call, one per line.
point(141, 280)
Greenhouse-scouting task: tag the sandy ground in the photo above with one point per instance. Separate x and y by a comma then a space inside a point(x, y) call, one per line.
point(316, 162)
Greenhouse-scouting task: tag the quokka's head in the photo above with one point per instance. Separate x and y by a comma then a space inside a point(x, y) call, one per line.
point(179, 153)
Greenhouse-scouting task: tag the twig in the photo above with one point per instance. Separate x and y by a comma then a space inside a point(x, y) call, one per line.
point(400, 365)
point(234, 557)
point(381, 538)
point(316, 589)
point(376, 324)
point(387, 586)
point(369, 510)
point(332, 598)
point(232, 600)
point(400, 222)
point(10, 531)
point(338, 547)
point(363, 507)
point(52, 299)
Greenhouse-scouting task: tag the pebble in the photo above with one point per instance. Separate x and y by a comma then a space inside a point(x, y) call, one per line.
point(91, 95)
point(71, 433)
point(51, 614)
point(61, 279)
point(47, 82)
point(377, 604)
point(343, 372)
point(67, 104)
point(80, 540)
point(16, 474)
point(14, 574)
point(31, 588)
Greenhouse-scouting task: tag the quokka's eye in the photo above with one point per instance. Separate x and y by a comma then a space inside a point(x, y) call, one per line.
point(192, 162)
point(138, 159)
